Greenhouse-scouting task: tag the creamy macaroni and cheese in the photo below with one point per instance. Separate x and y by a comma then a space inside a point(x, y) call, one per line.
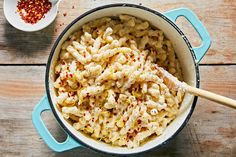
point(107, 81)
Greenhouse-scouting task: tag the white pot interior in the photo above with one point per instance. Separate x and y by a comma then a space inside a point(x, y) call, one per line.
point(183, 53)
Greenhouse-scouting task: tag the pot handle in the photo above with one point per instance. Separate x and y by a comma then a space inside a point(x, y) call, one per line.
point(198, 26)
point(39, 125)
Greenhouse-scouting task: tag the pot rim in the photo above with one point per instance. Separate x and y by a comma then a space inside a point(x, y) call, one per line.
point(101, 8)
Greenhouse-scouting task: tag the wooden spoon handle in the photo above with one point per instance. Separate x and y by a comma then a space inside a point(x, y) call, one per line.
point(211, 96)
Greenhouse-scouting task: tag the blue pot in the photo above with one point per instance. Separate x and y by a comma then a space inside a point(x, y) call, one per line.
point(189, 58)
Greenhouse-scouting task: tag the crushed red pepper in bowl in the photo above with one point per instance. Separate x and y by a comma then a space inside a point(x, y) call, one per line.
point(31, 11)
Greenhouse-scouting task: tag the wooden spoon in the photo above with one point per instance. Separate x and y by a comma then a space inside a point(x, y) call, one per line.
point(173, 82)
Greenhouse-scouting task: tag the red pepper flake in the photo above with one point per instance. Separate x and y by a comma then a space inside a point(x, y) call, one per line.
point(71, 94)
point(73, 7)
point(87, 95)
point(139, 121)
point(61, 24)
point(64, 14)
point(31, 11)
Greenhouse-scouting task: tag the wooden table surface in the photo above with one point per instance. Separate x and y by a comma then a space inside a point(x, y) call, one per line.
point(211, 130)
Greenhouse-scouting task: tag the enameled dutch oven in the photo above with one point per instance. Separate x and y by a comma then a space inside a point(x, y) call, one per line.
point(189, 58)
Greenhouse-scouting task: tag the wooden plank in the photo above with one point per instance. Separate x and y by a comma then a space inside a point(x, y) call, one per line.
point(210, 132)
point(218, 16)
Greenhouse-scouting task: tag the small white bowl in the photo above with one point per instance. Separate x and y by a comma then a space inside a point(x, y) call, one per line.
point(13, 17)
